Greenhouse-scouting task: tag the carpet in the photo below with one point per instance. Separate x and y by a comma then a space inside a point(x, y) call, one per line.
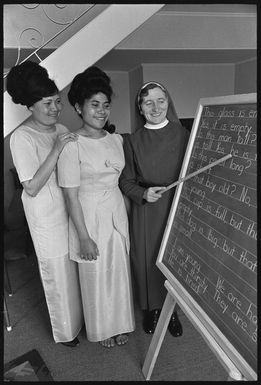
point(27, 368)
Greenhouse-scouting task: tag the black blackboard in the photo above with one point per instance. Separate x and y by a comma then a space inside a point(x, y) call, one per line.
point(209, 247)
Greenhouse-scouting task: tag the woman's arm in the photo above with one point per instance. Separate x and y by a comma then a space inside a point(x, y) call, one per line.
point(88, 248)
point(69, 179)
point(34, 185)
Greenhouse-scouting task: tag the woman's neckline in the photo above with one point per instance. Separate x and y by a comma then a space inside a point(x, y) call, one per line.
point(90, 137)
point(42, 132)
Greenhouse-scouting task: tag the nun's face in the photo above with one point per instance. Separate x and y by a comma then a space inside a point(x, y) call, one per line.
point(154, 106)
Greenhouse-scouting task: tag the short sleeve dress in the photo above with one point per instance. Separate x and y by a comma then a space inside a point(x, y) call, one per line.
point(47, 220)
point(94, 165)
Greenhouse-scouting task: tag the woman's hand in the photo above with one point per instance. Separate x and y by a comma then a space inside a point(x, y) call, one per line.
point(63, 139)
point(152, 194)
point(35, 184)
point(88, 249)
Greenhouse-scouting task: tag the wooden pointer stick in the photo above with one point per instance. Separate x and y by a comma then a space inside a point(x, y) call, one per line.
point(196, 172)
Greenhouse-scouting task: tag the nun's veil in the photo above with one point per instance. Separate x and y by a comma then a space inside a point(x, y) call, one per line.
point(171, 114)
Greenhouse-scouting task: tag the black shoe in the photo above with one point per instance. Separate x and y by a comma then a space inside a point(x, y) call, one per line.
point(175, 326)
point(71, 344)
point(150, 321)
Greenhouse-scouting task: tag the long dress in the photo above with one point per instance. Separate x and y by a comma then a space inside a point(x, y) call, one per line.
point(48, 224)
point(153, 158)
point(95, 166)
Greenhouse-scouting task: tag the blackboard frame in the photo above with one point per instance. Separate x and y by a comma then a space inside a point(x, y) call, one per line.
point(247, 371)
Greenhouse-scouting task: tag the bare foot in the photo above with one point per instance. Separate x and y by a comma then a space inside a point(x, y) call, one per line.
point(121, 339)
point(108, 343)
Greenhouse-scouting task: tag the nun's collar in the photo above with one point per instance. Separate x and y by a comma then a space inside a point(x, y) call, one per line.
point(156, 126)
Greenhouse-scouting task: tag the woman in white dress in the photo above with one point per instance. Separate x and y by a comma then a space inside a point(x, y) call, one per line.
point(35, 147)
point(88, 172)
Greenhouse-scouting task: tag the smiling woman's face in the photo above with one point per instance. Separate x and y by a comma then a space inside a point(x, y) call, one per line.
point(46, 111)
point(154, 106)
point(95, 111)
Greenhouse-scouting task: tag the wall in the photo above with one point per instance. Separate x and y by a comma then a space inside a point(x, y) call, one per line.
point(187, 83)
point(68, 116)
point(246, 77)
point(203, 27)
point(120, 111)
point(135, 80)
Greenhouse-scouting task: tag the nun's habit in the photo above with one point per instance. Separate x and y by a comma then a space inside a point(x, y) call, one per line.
point(153, 157)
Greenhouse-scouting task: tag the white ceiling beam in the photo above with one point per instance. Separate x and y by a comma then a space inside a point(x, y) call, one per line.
point(83, 49)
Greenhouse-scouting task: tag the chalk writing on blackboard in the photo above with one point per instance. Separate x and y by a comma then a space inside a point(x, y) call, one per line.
point(211, 246)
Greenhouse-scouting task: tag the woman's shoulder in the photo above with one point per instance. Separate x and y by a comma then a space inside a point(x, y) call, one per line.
point(72, 145)
point(115, 137)
point(183, 131)
point(21, 131)
point(137, 135)
point(69, 150)
point(128, 137)
point(61, 128)
point(22, 137)
point(22, 128)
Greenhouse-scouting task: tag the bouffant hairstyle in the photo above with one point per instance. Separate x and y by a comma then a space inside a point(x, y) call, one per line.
point(88, 83)
point(27, 83)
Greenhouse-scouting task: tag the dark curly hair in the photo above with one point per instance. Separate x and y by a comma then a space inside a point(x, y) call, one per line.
point(88, 83)
point(27, 83)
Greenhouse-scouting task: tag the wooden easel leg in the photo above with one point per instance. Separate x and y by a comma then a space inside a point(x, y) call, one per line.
point(6, 315)
point(235, 376)
point(158, 336)
point(9, 287)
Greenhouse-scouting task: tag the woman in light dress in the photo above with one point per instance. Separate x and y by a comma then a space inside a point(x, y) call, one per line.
point(35, 147)
point(88, 172)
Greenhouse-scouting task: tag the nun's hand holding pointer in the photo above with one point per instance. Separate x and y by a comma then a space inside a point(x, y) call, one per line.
point(152, 194)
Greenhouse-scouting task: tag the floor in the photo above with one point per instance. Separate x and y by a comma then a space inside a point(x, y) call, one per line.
point(186, 358)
